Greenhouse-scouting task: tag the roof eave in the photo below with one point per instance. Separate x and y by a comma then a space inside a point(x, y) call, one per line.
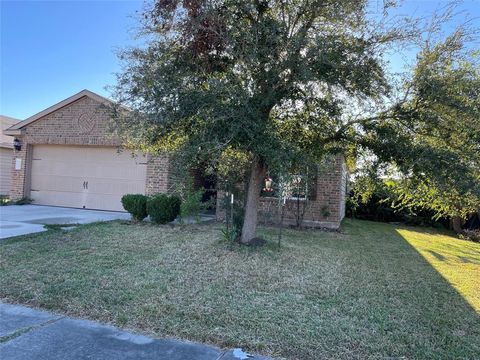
point(57, 106)
point(12, 132)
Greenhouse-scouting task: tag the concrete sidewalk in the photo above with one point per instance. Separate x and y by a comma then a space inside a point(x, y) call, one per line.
point(32, 334)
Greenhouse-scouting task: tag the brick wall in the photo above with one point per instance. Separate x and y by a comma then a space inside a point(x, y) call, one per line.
point(159, 179)
point(83, 122)
point(343, 189)
point(18, 184)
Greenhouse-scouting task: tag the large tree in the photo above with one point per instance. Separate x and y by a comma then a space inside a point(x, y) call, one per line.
point(275, 80)
point(442, 169)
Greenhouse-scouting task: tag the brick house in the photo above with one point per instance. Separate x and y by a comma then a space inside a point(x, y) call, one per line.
point(69, 157)
point(6, 146)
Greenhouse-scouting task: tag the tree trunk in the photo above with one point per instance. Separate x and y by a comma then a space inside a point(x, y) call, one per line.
point(249, 227)
point(457, 223)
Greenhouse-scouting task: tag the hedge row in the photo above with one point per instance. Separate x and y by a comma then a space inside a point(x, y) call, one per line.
point(161, 208)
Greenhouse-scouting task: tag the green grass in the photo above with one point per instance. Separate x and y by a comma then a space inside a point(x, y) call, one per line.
point(372, 291)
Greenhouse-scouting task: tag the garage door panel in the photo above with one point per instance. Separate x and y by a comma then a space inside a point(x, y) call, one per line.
point(57, 198)
point(111, 170)
point(57, 183)
point(104, 201)
point(59, 173)
point(80, 153)
point(52, 167)
point(113, 156)
point(108, 187)
point(60, 153)
point(117, 171)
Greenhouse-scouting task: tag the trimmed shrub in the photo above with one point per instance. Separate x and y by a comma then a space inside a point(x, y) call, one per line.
point(163, 208)
point(136, 205)
point(4, 200)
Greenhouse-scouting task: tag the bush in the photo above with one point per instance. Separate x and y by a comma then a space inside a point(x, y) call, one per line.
point(234, 216)
point(136, 205)
point(379, 207)
point(4, 200)
point(192, 205)
point(192, 200)
point(163, 208)
point(472, 235)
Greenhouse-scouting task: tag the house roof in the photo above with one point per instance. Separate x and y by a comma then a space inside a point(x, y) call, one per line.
point(17, 128)
point(5, 123)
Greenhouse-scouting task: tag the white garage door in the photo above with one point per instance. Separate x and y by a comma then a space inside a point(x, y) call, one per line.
point(85, 177)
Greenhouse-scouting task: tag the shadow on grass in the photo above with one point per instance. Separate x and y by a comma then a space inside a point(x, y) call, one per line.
point(431, 283)
point(439, 257)
point(448, 266)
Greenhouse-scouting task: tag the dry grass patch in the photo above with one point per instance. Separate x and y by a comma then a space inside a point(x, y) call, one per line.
point(362, 293)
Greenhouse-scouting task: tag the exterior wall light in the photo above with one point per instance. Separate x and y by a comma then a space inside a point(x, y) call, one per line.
point(17, 144)
point(268, 185)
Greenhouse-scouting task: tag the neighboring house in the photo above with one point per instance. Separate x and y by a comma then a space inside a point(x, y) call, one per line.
point(6, 154)
point(69, 157)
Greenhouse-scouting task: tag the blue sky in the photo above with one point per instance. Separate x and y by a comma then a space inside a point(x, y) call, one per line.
point(50, 50)
point(53, 49)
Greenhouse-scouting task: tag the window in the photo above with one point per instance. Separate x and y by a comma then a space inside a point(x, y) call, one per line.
point(296, 187)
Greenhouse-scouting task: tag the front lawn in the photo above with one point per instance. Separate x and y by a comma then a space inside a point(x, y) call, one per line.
point(372, 291)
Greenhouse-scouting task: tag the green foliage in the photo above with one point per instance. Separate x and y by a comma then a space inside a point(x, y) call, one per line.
point(249, 83)
point(4, 200)
point(192, 204)
point(435, 140)
point(163, 208)
point(377, 199)
point(424, 193)
point(325, 211)
point(136, 205)
point(471, 235)
point(229, 234)
point(235, 212)
point(277, 82)
point(231, 168)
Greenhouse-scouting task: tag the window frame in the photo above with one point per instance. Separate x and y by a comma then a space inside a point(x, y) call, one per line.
point(277, 185)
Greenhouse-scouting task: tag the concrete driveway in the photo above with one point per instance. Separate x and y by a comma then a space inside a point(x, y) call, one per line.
point(33, 334)
point(27, 219)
